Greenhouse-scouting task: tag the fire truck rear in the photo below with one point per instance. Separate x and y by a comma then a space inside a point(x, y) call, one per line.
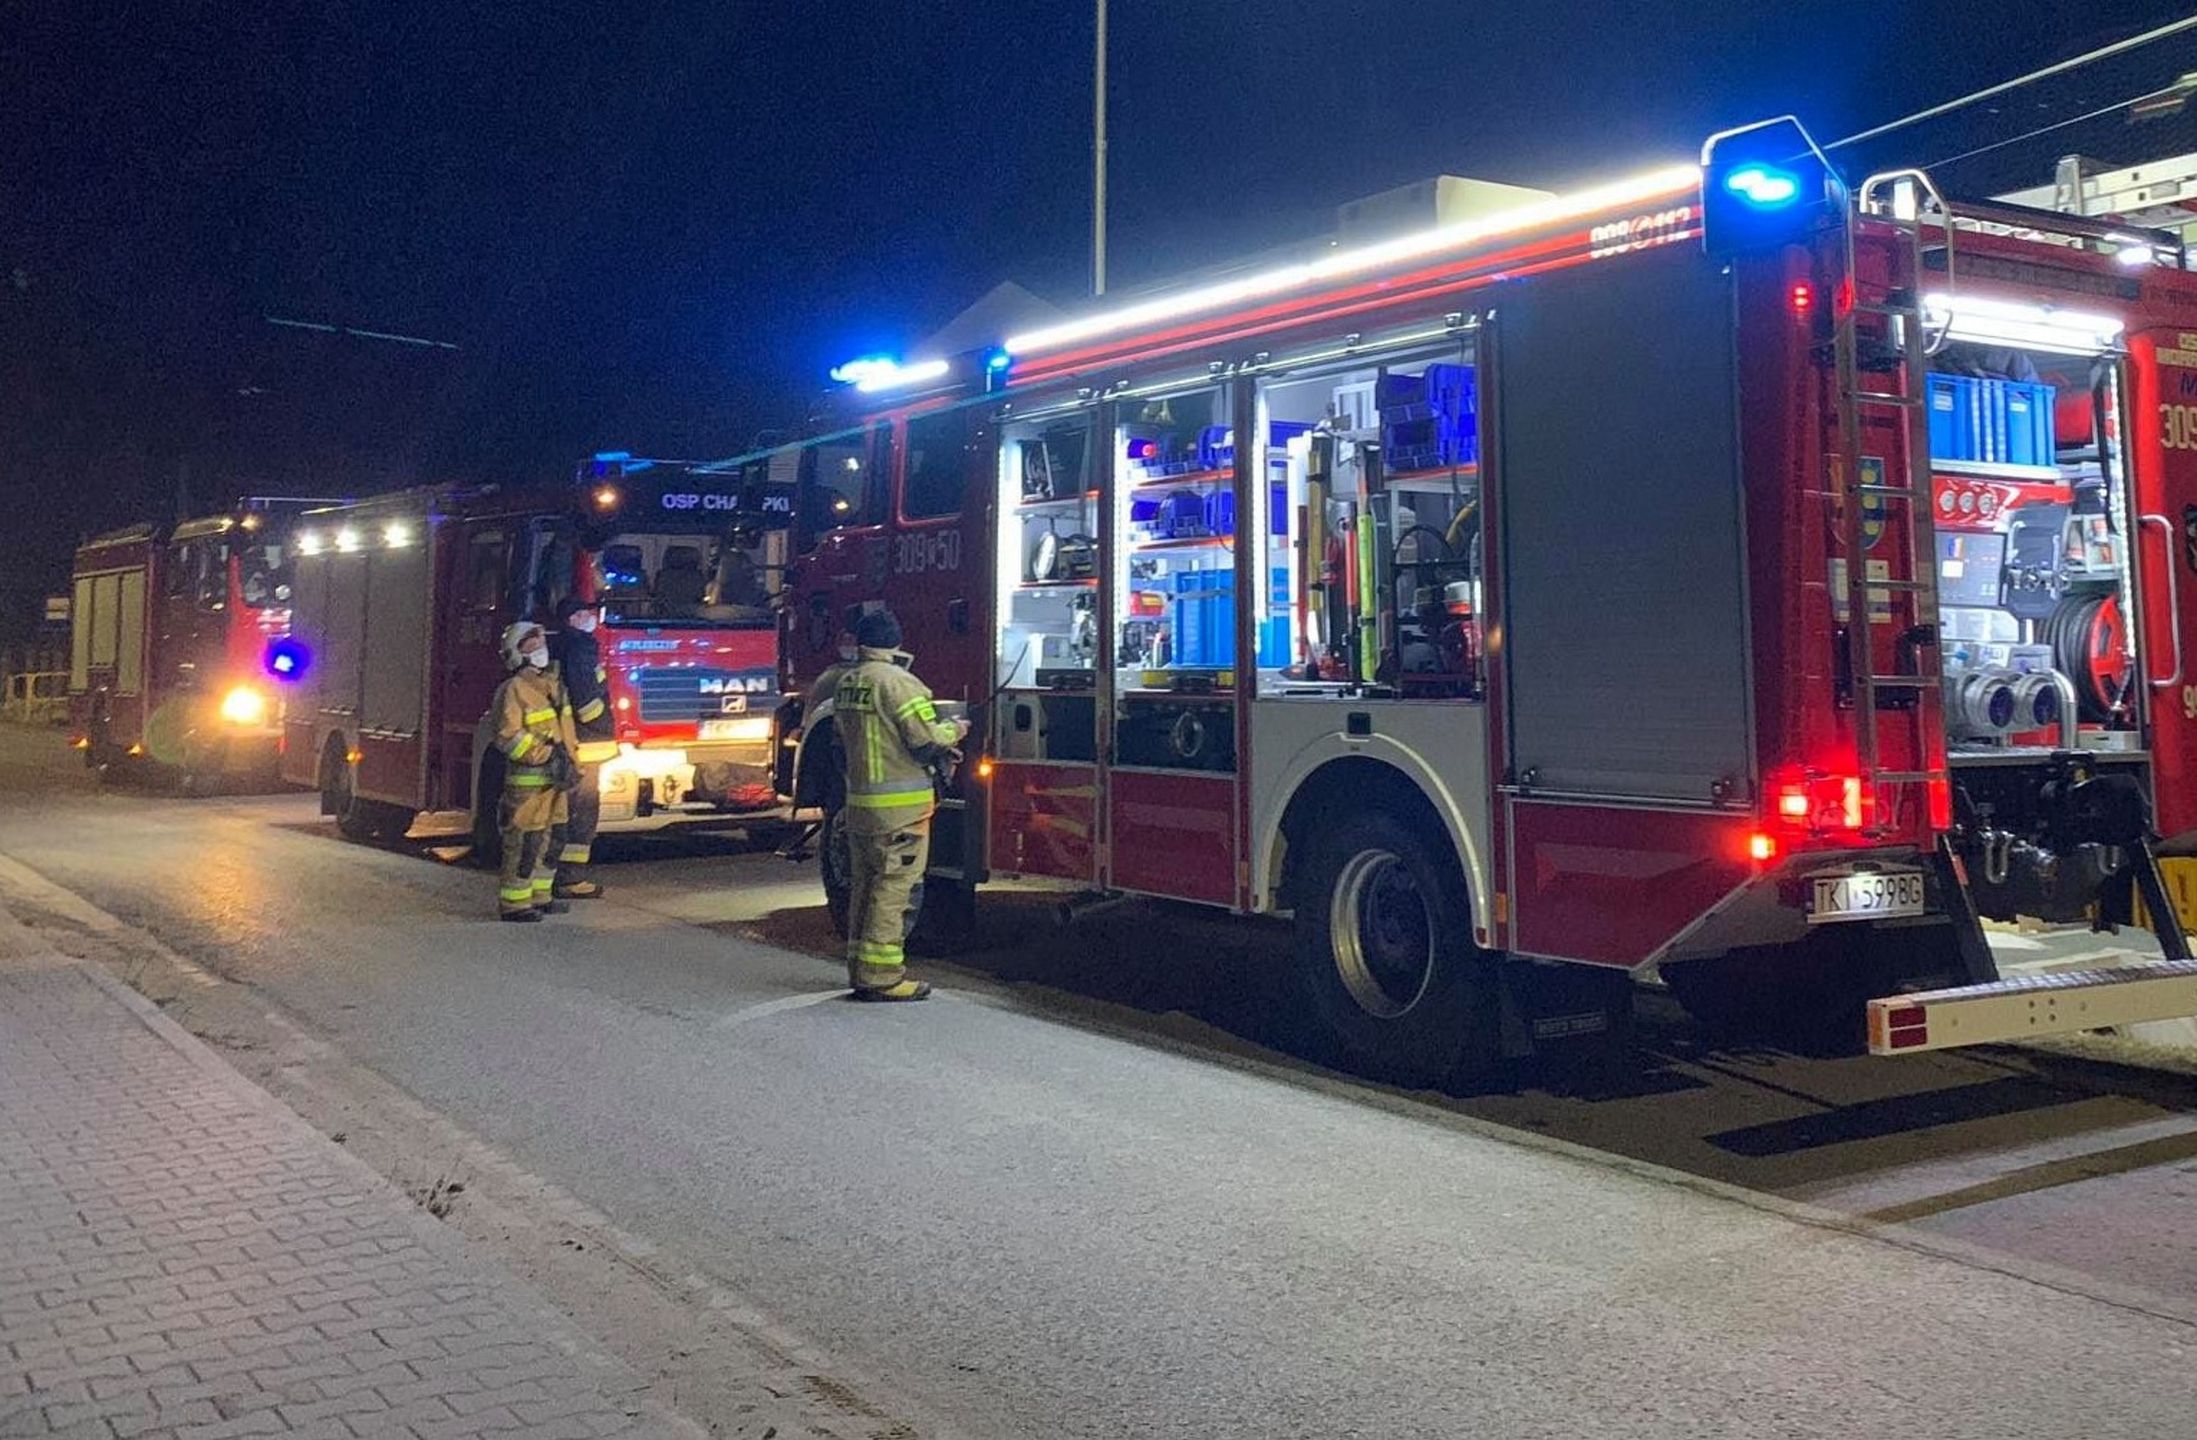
point(1718, 573)
point(401, 600)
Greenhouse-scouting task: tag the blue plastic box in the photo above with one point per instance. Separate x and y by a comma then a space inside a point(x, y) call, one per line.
point(1428, 420)
point(1998, 422)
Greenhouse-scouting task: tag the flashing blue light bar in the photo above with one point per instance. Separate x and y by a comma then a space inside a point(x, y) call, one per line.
point(287, 659)
point(999, 360)
point(613, 455)
point(1762, 186)
point(872, 373)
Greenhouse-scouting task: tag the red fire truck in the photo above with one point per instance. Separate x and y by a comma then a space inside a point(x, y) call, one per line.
point(1720, 572)
point(401, 600)
point(173, 640)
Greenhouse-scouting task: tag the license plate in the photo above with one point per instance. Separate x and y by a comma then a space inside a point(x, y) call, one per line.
point(1868, 895)
point(723, 729)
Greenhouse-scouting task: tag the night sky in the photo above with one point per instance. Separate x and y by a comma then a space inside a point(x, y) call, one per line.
point(658, 232)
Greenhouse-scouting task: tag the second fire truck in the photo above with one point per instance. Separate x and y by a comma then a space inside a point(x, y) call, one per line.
point(400, 600)
point(1718, 572)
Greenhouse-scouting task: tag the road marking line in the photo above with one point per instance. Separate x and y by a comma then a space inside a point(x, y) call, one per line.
point(778, 1007)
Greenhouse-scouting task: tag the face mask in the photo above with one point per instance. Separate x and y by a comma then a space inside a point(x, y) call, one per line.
point(584, 621)
point(539, 659)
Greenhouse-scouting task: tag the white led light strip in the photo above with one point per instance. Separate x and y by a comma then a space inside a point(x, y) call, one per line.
point(1656, 184)
point(2007, 322)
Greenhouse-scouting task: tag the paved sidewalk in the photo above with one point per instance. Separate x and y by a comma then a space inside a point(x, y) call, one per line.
point(179, 1255)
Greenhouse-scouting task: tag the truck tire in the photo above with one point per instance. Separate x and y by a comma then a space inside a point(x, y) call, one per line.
point(1384, 952)
point(356, 819)
point(947, 919)
point(834, 866)
point(487, 833)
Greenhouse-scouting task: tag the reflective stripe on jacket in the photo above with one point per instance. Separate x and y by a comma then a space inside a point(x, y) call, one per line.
point(578, 658)
point(887, 728)
point(532, 718)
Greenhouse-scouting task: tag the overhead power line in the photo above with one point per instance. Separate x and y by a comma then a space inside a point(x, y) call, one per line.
point(357, 334)
point(2118, 47)
point(2180, 87)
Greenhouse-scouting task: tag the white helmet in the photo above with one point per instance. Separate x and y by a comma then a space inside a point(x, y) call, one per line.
point(513, 642)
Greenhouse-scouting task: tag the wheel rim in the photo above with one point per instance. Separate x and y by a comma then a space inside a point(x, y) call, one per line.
point(1381, 934)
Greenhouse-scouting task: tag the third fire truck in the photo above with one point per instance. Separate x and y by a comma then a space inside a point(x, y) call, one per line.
point(1719, 572)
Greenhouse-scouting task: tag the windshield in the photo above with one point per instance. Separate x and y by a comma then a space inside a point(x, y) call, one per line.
point(690, 579)
point(265, 575)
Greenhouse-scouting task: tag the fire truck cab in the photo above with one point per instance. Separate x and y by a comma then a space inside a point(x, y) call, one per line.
point(402, 599)
point(1720, 573)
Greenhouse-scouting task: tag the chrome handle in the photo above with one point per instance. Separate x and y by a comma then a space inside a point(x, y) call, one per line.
point(2173, 601)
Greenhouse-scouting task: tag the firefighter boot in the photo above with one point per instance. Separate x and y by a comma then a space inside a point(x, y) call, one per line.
point(905, 990)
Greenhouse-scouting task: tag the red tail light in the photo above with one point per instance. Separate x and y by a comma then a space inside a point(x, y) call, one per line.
point(1827, 802)
point(1802, 297)
point(1941, 804)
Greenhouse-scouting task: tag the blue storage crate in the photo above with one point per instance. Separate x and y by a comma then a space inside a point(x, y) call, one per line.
point(1203, 618)
point(1999, 422)
point(1220, 513)
point(1181, 516)
point(1429, 420)
point(2030, 416)
point(1217, 443)
point(1273, 643)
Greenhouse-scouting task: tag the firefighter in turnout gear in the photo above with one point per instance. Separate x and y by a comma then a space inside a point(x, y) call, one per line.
point(534, 732)
point(890, 735)
point(579, 664)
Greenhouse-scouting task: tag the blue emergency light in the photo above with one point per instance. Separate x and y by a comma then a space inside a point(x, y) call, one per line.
point(1762, 187)
point(288, 659)
point(1765, 185)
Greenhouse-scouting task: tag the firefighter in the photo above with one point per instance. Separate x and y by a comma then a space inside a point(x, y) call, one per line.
point(579, 664)
point(890, 737)
point(534, 730)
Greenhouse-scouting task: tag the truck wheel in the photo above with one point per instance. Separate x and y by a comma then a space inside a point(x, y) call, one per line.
point(487, 834)
point(1384, 952)
point(947, 919)
point(354, 819)
point(836, 867)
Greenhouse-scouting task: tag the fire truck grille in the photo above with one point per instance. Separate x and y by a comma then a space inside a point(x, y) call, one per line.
point(671, 695)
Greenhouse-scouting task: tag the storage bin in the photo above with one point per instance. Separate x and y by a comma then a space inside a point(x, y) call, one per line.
point(1202, 619)
point(1998, 422)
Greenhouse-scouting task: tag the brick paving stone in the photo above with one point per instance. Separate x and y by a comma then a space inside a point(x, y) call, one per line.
point(184, 1257)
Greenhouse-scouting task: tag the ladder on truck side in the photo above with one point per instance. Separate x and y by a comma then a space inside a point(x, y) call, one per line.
point(1987, 1009)
point(1896, 382)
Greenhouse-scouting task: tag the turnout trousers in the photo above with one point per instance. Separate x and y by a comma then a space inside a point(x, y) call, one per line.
point(886, 894)
point(527, 815)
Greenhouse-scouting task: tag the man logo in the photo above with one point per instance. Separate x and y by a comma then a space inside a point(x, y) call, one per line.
point(732, 704)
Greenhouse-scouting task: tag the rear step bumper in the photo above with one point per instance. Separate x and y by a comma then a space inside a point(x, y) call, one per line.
point(2032, 1005)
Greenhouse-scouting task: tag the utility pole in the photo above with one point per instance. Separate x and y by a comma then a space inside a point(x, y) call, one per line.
point(1098, 158)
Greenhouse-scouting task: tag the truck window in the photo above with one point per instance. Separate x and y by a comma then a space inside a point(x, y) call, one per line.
point(210, 572)
point(487, 569)
point(552, 578)
point(937, 466)
point(266, 575)
point(843, 483)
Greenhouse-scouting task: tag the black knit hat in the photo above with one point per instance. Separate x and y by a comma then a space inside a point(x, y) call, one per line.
point(877, 630)
point(572, 605)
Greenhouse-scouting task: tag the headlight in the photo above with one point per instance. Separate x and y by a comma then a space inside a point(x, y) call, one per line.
point(244, 706)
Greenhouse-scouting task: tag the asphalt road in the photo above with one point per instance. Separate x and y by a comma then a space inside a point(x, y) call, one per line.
point(1090, 1192)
